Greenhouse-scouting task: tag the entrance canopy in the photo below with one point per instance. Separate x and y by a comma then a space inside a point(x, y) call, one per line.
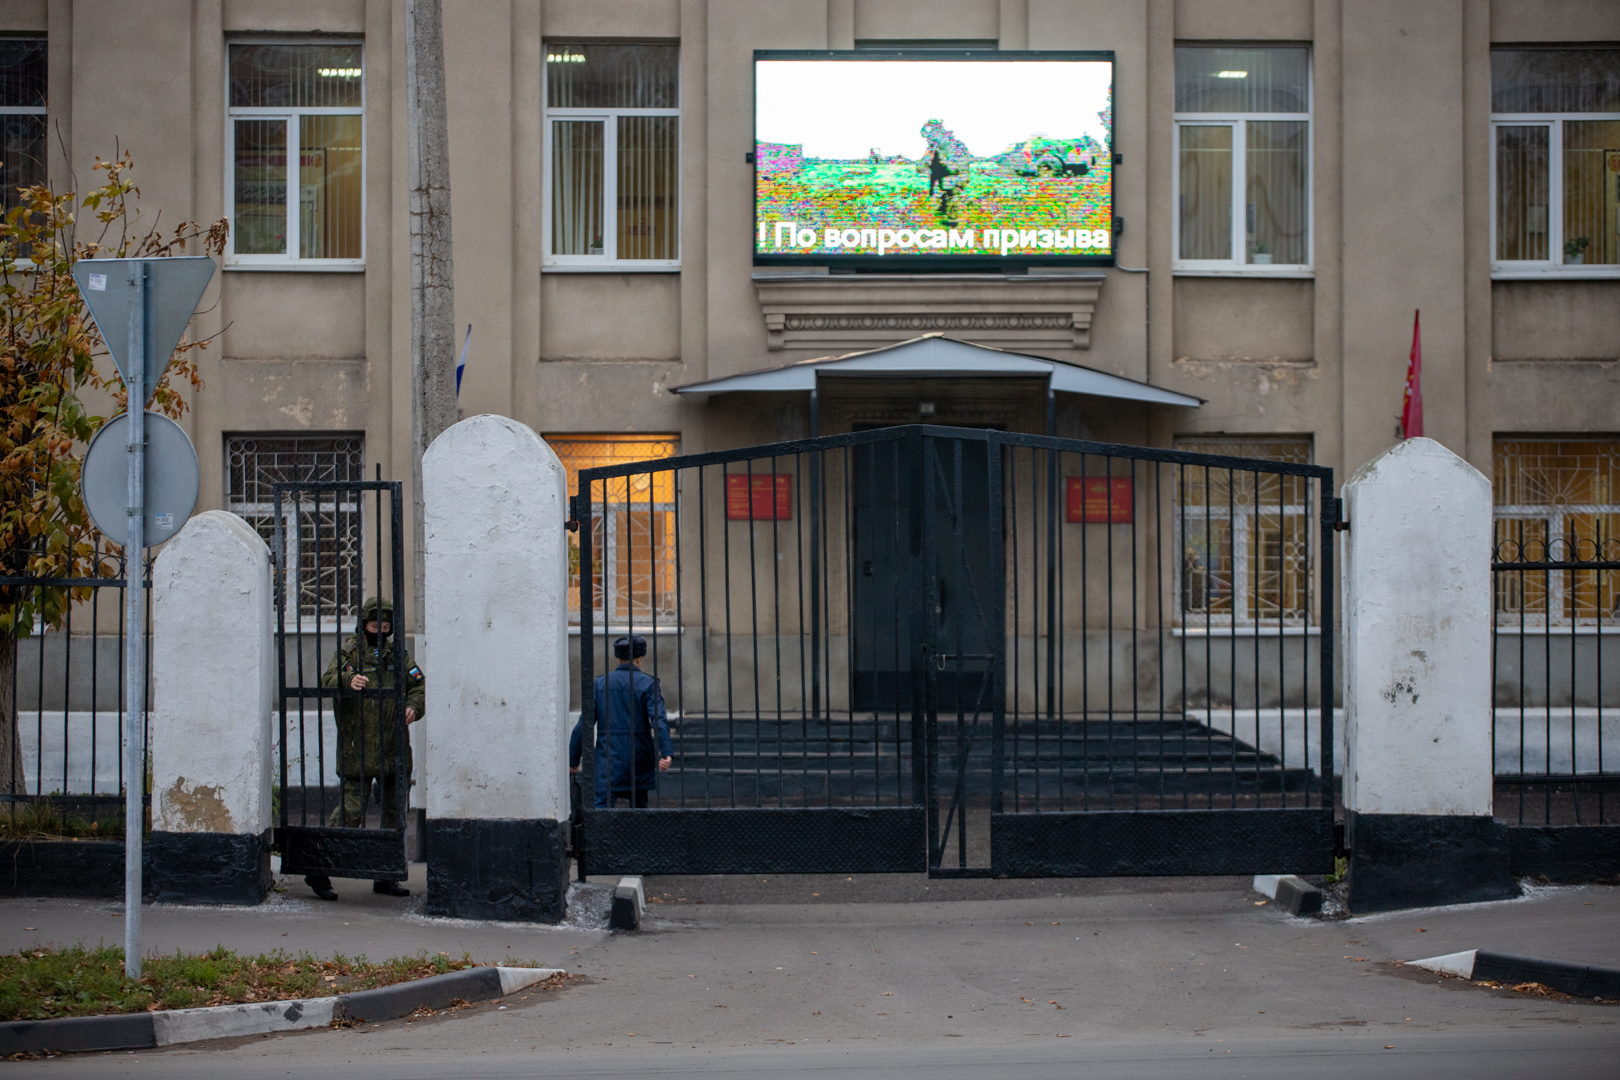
point(935, 357)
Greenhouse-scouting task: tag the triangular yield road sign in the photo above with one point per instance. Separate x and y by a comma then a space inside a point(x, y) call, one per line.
point(173, 288)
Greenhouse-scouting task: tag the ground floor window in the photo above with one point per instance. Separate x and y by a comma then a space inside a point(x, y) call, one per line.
point(632, 530)
point(328, 544)
point(1244, 537)
point(1557, 500)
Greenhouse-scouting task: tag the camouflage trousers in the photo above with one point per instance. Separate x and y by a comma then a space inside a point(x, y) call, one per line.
point(351, 813)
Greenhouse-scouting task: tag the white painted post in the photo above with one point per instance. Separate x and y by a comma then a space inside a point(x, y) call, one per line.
point(213, 690)
point(1416, 585)
point(496, 610)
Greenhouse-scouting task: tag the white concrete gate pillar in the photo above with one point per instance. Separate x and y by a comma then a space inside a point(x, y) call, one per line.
point(1417, 683)
point(213, 692)
point(496, 611)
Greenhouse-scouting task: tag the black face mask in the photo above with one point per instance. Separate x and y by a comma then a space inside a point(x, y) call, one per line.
point(372, 639)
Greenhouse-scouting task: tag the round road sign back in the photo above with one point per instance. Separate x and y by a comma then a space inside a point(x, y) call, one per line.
point(171, 478)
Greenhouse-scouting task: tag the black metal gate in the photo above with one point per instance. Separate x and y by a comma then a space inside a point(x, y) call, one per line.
point(970, 652)
point(344, 783)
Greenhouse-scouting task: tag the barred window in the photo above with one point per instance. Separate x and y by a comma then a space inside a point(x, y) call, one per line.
point(22, 117)
point(632, 530)
point(1244, 537)
point(328, 544)
point(1557, 500)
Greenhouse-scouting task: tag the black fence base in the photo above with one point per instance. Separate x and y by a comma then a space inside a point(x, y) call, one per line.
point(322, 851)
point(756, 840)
point(1416, 860)
point(1569, 853)
point(67, 868)
point(209, 868)
point(512, 869)
point(1160, 843)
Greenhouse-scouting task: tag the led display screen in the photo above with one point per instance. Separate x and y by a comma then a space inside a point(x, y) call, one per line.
point(933, 158)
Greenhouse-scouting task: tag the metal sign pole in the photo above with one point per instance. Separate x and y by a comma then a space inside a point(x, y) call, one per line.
point(135, 626)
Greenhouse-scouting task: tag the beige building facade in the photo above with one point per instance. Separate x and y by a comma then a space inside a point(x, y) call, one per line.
point(1418, 182)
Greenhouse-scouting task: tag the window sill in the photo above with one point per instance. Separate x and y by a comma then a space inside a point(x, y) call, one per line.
point(1295, 273)
point(1513, 630)
point(1244, 631)
point(619, 631)
point(311, 267)
point(625, 267)
point(1556, 273)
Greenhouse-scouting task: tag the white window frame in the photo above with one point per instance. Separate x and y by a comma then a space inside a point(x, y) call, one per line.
point(1238, 122)
point(609, 118)
point(291, 259)
point(32, 110)
point(1553, 266)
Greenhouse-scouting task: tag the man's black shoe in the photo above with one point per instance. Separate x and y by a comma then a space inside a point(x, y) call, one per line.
point(389, 888)
point(322, 886)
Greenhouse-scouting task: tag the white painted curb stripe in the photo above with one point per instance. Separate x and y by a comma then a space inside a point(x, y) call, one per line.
point(517, 978)
point(1457, 963)
point(224, 1021)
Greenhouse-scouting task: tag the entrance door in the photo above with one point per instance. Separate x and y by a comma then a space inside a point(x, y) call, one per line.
point(896, 604)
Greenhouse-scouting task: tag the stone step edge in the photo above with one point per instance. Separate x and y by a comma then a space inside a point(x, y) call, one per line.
point(140, 1031)
point(1482, 965)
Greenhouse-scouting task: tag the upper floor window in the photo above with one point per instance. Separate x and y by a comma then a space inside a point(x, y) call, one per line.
point(1242, 163)
point(612, 144)
point(1555, 115)
point(22, 117)
point(296, 155)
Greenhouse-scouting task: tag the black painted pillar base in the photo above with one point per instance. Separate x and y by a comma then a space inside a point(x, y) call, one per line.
point(1415, 860)
point(512, 869)
point(209, 868)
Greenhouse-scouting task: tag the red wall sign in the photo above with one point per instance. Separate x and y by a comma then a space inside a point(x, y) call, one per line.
point(743, 504)
point(1099, 500)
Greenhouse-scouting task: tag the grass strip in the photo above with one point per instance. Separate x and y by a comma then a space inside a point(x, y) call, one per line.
point(45, 821)
point(43, 983)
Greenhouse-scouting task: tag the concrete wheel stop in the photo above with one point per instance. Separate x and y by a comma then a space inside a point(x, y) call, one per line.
point(1294, 894)
point(141, 1031)
point(629, 905)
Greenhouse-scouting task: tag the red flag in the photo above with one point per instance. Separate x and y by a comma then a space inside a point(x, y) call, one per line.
point(1412, 405)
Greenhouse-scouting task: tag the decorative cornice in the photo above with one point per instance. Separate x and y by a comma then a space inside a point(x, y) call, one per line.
point(846, 313)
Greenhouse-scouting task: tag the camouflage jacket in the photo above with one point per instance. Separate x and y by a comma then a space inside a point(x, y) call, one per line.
point(367, 726)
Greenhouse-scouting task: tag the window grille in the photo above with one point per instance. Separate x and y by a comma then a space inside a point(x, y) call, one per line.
point(1557, 500)
point(22, 117)
point(302, 104)
point(613, 156)
point(328, 544)
point(1244, 538)
point(1243, 139)
point(633, 524)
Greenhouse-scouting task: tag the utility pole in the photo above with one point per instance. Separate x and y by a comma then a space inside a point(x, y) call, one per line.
point(433, 297)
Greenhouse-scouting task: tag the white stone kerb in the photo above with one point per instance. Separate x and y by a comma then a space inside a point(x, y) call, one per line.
point(496, 609)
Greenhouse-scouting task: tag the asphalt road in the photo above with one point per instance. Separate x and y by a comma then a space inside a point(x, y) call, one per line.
point(1071, 978)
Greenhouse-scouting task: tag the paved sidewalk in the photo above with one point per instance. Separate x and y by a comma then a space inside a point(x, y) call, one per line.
point(1186, 962)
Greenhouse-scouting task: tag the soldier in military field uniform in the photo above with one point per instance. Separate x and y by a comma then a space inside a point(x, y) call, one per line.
point(366, 727)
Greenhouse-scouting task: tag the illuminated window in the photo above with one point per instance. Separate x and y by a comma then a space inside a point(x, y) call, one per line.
point(296, 156)
point(22, 117)
point(632, 530)
point(1557, 500)
point(1556, 181)
point(1242, 164)
point(612, 157)
point(326, 545)
point(1244, 537)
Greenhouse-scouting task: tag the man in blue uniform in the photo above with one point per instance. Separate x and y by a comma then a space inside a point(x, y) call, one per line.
point(629, 717)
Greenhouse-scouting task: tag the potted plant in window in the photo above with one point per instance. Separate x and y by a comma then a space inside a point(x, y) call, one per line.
point(1262, 254)
point(1575, 250)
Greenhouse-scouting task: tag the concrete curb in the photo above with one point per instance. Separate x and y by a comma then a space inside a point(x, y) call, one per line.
point(1298, 896)
point(1577, 980)
point(140, 1031)
point(629, 905)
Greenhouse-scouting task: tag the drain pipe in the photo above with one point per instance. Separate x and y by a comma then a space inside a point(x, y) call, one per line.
point(1147, 324)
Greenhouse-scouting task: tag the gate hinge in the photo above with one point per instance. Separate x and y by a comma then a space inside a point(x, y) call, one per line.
point(574, 506)
point(1341, 526)
point(1340, 522)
